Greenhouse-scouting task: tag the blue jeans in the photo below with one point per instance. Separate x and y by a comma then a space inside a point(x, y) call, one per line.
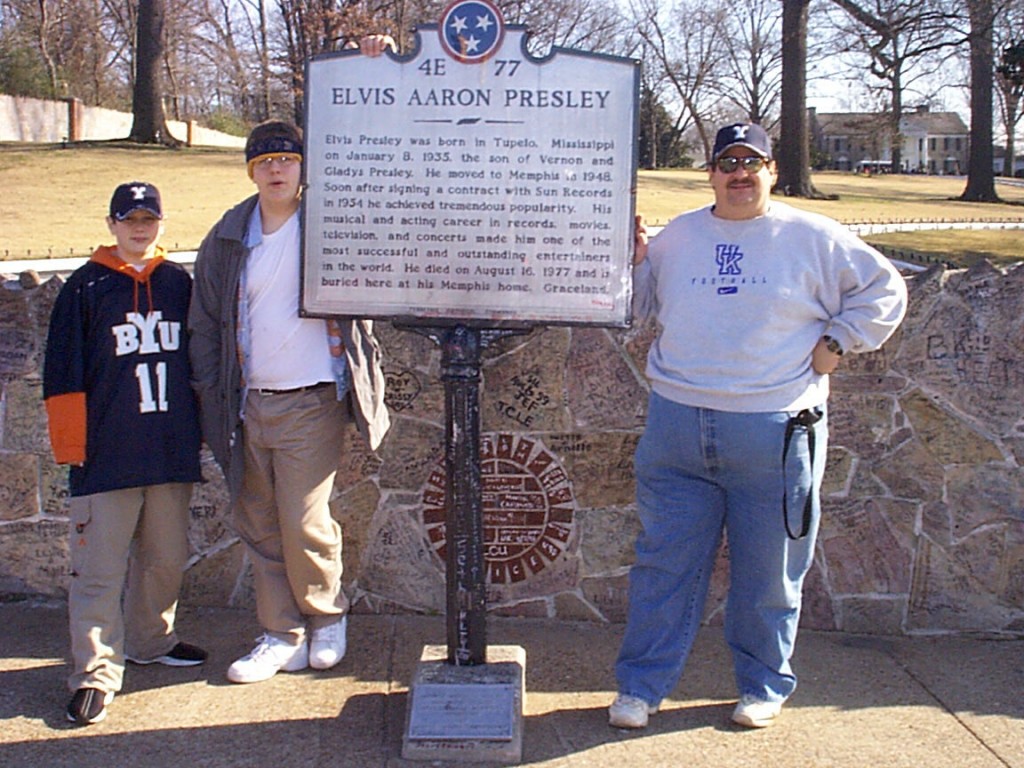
point(698, 472)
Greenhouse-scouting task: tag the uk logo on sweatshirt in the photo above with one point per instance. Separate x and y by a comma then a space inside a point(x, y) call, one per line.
point(728, 258)
point(728, 274)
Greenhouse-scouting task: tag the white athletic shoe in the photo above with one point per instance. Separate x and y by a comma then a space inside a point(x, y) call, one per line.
point(630, 712)
point(327, 644)
point(755, 713)
point(269, 657)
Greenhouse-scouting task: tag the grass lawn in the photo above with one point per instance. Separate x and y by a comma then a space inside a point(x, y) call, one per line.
point(662, 194)
point(961, 247)
point(53, 200)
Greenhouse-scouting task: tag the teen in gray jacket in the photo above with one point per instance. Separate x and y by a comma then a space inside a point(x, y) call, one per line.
point(275, 390)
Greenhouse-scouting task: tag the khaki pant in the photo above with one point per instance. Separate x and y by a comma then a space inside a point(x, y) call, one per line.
point(293, 443)
point(141, 534)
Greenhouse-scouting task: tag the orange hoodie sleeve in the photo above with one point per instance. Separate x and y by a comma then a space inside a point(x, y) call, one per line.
point(66, 415)
point(64, 375)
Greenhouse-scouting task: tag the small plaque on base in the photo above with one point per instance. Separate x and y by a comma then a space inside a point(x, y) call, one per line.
point(472, 713)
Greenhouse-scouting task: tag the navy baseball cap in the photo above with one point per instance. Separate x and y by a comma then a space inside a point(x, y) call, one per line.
point(749, 135)
point(135, 196)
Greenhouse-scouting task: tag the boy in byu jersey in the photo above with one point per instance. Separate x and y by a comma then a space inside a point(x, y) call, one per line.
point(122, 413)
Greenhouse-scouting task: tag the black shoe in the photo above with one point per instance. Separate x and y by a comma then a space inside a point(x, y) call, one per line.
point(181, 655)
point(89, 705)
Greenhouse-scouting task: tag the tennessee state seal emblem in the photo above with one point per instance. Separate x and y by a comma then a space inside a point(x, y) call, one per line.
point(471, 30)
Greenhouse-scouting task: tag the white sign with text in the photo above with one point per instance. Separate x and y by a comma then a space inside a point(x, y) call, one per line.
point(469, 180)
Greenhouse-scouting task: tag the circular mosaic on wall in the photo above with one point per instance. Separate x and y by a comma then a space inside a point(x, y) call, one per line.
point(527, 508)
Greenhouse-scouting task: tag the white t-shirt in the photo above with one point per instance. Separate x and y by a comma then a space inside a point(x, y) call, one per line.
point(286, 351)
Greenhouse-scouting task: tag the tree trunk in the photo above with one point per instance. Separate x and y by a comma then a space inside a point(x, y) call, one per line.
point(793, 151)
point(655, 134)
point(981, 185)
point(1011, 150)
point(895, 135)
point(267, 103)
point(149, 125)
point(44, 50)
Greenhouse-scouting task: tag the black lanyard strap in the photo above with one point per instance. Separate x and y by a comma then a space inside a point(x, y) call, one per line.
point(804, 420)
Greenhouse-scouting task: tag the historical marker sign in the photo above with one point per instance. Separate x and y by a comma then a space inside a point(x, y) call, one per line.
point(470, 181)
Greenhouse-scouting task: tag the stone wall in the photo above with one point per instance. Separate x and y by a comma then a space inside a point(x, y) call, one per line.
point(923, 526)
point(51, 122)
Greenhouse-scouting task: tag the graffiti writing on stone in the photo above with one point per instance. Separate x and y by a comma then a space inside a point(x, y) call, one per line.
point(527, 502)
point(402, 390)
point(17, 346)
point(526, 398)
point(974, 359)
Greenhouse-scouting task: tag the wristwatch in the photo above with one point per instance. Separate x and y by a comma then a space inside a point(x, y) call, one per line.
point(833, 346)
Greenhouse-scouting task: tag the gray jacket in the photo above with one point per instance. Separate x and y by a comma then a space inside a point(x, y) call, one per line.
point(216, 365)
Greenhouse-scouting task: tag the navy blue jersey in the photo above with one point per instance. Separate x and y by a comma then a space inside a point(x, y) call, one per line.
point(116, 378)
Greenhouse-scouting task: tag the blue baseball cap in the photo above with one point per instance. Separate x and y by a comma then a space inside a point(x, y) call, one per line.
point(749, 135)
point(135, 196)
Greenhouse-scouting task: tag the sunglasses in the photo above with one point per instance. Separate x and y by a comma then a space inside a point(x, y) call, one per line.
point(282, 160)
point(751, 164)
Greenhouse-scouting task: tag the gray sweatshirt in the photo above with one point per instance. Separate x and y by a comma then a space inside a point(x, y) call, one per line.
point(740, 305)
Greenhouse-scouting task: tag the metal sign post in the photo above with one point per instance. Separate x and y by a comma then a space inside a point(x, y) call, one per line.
point(466, 595)
point(465, 570)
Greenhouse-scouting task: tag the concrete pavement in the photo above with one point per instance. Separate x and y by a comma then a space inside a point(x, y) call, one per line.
point(862, 702)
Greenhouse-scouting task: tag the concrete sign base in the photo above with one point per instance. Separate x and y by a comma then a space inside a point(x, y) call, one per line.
point(467, 713)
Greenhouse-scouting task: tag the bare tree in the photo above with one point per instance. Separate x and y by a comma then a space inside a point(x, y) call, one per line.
point(684, 45)
point(45, 25)
point(122, 23)
point(259, 36)
point(182, 59)
point(584, 24)
point(897, 36)
point(1009, 33)
point(238, 59)
point(752, 68)
point(149, 124)
point(228, 71)
point(312, 27)
point(91, 54)
point(67, 40)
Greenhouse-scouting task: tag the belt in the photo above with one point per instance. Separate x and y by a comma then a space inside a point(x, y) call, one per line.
point(307, 388)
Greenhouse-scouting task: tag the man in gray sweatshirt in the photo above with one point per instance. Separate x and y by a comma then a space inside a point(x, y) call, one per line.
point(755, 304)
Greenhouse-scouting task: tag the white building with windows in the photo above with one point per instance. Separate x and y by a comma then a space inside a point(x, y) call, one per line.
point(932, 142)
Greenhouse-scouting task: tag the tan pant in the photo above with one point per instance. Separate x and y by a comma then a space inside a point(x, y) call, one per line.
point(138, 533)
point(293, 443)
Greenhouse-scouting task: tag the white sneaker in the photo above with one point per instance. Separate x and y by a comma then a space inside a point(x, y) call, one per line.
point(755, 713)
point(327, 644)
point(269, 657)
point(630, 712)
